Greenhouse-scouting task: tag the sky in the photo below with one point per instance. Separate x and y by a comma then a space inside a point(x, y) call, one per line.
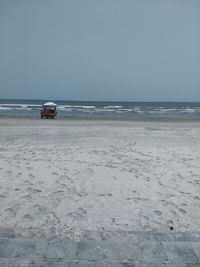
point(103, 50)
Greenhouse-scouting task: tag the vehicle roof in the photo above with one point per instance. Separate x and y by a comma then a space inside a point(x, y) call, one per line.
point(49, 104)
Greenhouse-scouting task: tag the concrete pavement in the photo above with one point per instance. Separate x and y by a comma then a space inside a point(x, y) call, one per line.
point(105, 249)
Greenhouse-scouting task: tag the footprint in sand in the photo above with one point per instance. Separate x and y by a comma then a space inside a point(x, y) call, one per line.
point(34, 190)
point(62, 177)
point(61, 184)
point(28, 217)
point(81, 211)
point(165, 202)
point(28, 197)
point(82, 194)
point(182, 211)
point(31, 176)
point(55, 173)
point(157, 212)
point(39, 209)
point(29, 168)
point(27, 182)
point(104, 195)
point(17, 166)
point(70, 180)
point(9, 173)
point(78, 214)
point(12, 211)
point(19, 175)
point(17, 189)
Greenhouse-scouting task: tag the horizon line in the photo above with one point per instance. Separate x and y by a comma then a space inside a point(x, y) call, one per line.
point(114, 101)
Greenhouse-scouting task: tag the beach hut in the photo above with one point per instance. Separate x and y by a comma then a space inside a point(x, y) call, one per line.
point(48, 110)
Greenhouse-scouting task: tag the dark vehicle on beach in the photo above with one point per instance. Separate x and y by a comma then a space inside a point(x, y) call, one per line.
point(48, 110)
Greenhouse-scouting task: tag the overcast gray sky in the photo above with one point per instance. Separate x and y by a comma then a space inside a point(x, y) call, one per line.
point(125, 50)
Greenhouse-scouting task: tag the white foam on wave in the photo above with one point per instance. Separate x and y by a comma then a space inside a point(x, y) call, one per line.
point(104, 110)
point(5, 108)
point(125, 109)
point(188, 110)
point(113, 107)
point(76, 106)
point(19, 106)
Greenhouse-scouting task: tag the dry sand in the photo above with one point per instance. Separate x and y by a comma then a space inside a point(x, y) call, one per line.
point(61, 175)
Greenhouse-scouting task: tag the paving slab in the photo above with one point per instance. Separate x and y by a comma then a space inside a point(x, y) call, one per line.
point(193, 265)
point(13, 248)
point(7, 232)
point(196, 247)
point(66, 248)
point(181, 252)
point(102, 249)
point(157, 236)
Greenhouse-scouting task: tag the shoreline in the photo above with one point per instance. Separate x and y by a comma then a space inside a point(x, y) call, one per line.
point(102, 118)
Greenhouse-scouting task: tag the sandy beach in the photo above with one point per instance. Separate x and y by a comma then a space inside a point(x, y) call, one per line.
point(63, 175)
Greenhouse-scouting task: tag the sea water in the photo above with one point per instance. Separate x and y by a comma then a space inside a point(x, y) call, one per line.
point(106, 110)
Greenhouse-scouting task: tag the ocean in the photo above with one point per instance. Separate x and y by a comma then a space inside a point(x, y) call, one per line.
point(104, 110)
